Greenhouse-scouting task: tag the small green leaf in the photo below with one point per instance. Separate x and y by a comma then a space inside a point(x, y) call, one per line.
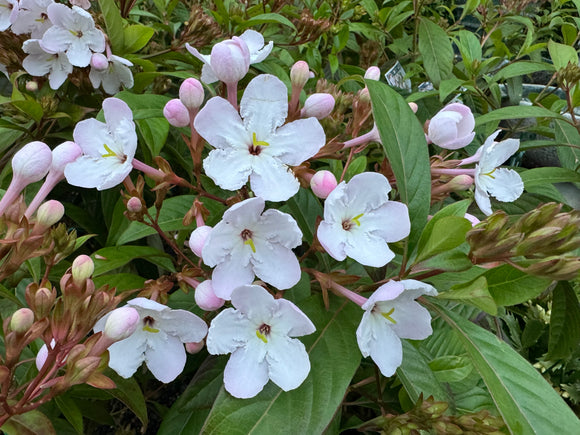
point(436, 49)
point(121, 281)
point(451, 368)
point(112, 258)
point(445, 234)
point(71, 412)
point(562, 54)
point(567, 134)
point(521, 68)
point(268, 18)
point(114, 24)
point(154, 132)
point(564, 322)
point(305, 208)
point(516, 112)
point(541, 176)
point(473, 293)
point(136, 37)
point(357, 166)
point(32, 108)
point(509, 286)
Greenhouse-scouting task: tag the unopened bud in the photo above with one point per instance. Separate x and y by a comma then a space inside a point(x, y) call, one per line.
point(460, 182)
point(206, 298)
point(472, 219)
point(22, 320)
point(43, 302)
point(364, 96)
point(99, 61)
point(193, 348)
point(32, 86)
point(176, 113)
point(65, 153)
point(121, 323)
point(318, 105)
point(82, 269)
point(32, 162)
point(198, 238)
point(230, 60)
point(49, 213)
point(373, 73)
point(191, 93)
point(322, 183)
point(134, 205)
point(413, 107)
point(299, 74)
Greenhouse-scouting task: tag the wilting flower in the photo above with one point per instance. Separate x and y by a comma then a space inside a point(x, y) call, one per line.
point(32, 18)
point(108, 148)
point(114, 76)
point(257, 145)
point(258, 333)
point(359, 220)
point(503, 184)
point(157, 341)
point(247, 242)
point(40, 62)
point(452, 127)
point(391, 313)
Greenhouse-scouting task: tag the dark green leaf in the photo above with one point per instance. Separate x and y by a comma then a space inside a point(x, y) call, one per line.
point(437, 52)
point(451, 368)
point(129, 392)
point(516, 112)
point(268, 18)
point(539, 176)
point(521, 68)
point(31, 423)
point(473, 293)
point(305, 207)
point(567, 134)
point(121, 281)
point(114, 24)
point(71, 412)
point(112, 258)
point(564, 322)
point(509, 286)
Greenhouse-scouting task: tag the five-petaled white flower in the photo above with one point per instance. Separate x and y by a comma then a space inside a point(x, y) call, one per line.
point(503, 184)
point(32, 18)
point(258, 146)
point(247, 242)
point(116, 74)
point(157, 341)
point(39, 62)
point(391, 313)
point(258, 335)
point(359, 220)
point(73, 32)
point(108, 148)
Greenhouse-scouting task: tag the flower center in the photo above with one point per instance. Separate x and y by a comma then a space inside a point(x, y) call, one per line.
point(262, 332)
point(77, 33)
point(388, 315)
point(256, 147)
point(111, 153)
point(247, 238)
point(347, 224)
point(43, 18)
point(489, 173)
point(148, 323)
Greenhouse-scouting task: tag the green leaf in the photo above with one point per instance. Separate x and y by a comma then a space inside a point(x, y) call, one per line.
point(564, 322)
point(112, 258)
point(32, 108)
point(129, 392)
point(527, 403)
point(445, 234)
point(521, 68)
point(541, 176)
point(451, 368)
point(357, 166)
point(71, 412)
point(136, 37)
point(455, 260)
point(114, 24)
point(562, 54)
point(334, 357)
point(473, 293)
point(516, 112)
point(567, 134)
point(305, 208)
point(448, 86)
point(154, 132)
point(404, 142)
point(469, 47)
point(31, 423)
point(437, 52)
point(509, 286)
point(121, 281)
point(268, 18)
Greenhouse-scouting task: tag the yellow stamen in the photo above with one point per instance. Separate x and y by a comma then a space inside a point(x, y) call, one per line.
point(489, 173)
point(251, 243)
point(261, 336)
point(388, 315)
point(356, 219)
point(258, 143)
point(150, 329)
point(110, 152)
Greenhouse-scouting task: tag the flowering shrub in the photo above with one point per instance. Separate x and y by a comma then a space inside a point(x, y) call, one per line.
point(230, 180)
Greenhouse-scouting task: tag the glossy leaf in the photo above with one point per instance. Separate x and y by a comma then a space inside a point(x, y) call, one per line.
point(540, 176)
point(509, 286)
point(114, 24)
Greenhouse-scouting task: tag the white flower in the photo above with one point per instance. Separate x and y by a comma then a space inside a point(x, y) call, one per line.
point(73, 32)
point(247, 242)
point(359, 220)
point(157, 341)
point(108, 148)
point(8, 13)
point(218, 70)
point(39, 62)
point(117, 74)
point(391, 313)
point(503, 184)
point(258, 335)
point(32, 18)
point(258, 146)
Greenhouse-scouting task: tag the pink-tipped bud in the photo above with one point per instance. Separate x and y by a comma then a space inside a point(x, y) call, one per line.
point(67, 152)
point(176, 113)
point(230, 60)
point(32, 162)
point(460, 182)
point(134, 205)
point(193, 348)
point(413, 107)
point(318, 105)
point(322, 183)
point(452, 127)
point(206, 298)
point(364, 96)
point(198, 238)
point(299, 74)
point(32, 86)
point(373, 73)
point(99, 61)
point(82, 269)
point(43, 302)
point(121, 323)
point(191, 93)
point(474, 221)
point(22, 320)
point(49, 213)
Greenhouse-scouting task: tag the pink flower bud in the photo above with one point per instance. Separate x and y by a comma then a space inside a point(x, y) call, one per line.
point(121, 323)
point(460, 182)
point(193, 348)
point(176, 113)
point(32, 86)
point(205, 297)
point(99, 61)
point(67, 152)
point(191, 93)
point(22, 320)
point(49, 213)
point(31, 163)
point(322, 183)
point(373, 73)
point(82, 269)
point(318, 105)
point(230, 60)
point(364, 95)
point(413, 107)
point(452, 127)
point(134, 205)
point(299, 74)
point(474, 221)
point(198, 238)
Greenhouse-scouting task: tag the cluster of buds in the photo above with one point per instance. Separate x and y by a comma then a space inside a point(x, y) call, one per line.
point(542, 237)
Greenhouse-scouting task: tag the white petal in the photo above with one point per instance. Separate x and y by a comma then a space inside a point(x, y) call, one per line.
point(184, 325)
point(147, 304)
point(56, 39)
point(208, 76)
point(291, 321)
point(91, 135)
point(78, 53)
point(336, 205)
point(246, 373)
point(280, 228)
point(38, 64)
point(284, 146)
point(245, 214)
point(482, 200)
point(413, 320)
point(368, 249)
point(165, 357)
point(275, 264)
point(443, 127)
point(288, 362)
point(496, 153)
point(230, 274)
point(228, 331)
point(272, 180)
point(418, 288)
point(507, 185)
point(390, 221)
point(255, 42)
point(367, 191)
point(387, 292)
point(221, 126)
point(229, 168)
point(127, 355)
point(332, 237)
point(377, 340)
point(255, 303)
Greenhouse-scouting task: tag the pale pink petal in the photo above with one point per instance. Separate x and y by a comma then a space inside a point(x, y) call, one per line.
point(230, 274)
point(127, 355)
point(91, 135)
point(332, 238)
point(255, 42)
point(280, 228)
point(221, 126)
point(443, 127)
point(254, 302)
point(368, 249)
point(56, 39)
point(387, 292)
point(291, 321)
point(413, 320)
point(390, 221)
point(246, 372)
point(165, 356)
point(184, 325)
point(229, 169)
